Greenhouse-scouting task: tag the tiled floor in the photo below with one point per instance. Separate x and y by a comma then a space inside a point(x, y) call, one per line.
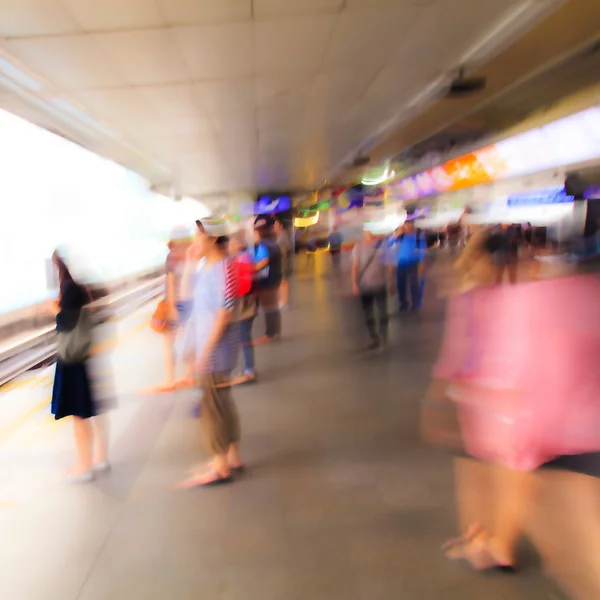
point(342, 500)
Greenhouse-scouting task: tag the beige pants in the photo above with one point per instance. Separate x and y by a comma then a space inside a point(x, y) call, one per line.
point(218, 415)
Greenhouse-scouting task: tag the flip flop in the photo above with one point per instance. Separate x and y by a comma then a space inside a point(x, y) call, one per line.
point(185, 383)
point(208, 479)
point(472, 532)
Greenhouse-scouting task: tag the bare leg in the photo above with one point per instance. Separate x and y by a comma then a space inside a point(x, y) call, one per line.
point(284, 290)
point(493, 504)
point(473, 493)
point(565, 528)
point(84, 439)
point(512, 501)
point(169, 351)
point(234, 460)
point(101, 435)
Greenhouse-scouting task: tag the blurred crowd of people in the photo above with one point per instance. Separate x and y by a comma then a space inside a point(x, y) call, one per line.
point(215, 285)
point(514, 392)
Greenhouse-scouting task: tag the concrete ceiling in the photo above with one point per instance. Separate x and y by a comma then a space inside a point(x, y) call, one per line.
point(221, 95)
point(547, 64)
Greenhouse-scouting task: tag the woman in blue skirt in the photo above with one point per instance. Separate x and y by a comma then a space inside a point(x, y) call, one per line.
point(72, 394)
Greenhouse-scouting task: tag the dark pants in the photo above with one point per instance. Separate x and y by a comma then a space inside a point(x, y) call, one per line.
point(336, 257)
point(268, 301)
point(247, 347)
point(408, 280)
point(370, 300)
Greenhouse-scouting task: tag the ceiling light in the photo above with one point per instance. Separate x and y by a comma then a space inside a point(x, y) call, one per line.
point(387, 174)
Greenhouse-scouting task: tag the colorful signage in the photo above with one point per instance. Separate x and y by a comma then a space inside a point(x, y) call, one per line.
point(568, 141)
point(539, 197)
point(592, 193)
point(267, 205)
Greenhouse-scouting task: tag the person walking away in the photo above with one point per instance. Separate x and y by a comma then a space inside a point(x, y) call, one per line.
point(410, 246)
point(244, 262)
point(285, 247)
point(269, 276)
point(371, 271)
point(507, 257)
point(335, 248)
point(72, 393)
point(214, 323)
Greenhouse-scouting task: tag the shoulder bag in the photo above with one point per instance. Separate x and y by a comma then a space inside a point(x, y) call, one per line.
point(74, 346)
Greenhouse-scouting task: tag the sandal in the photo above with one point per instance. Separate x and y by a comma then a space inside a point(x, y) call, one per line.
point(159, 389)
point(476, 550)
point(207, 479)
point(244, 378)
point(473, 531)
point(185, 383)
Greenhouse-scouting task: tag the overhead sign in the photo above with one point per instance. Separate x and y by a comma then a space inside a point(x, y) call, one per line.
point(568, 141)
point(538, 197)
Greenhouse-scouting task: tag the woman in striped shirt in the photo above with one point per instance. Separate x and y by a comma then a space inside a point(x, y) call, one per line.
point(215, 334)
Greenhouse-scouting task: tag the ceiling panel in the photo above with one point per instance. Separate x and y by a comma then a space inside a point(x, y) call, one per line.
point(450, 27)
point(228, 100)
point(144, 57)
point(103, 15)
point(337, 88)
point(123, 108)
point(181, 12)
point(268, 88)
point(217, 52)
point(179, 99)
point(226, 96)
point(171, 146)
point(73, 62)
point(268, 8)
point(171, 125)
point(291, 46)
point(24, 18)
point(352, 4)
point(363, 39)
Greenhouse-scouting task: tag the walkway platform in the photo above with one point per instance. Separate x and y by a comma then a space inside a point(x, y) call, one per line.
point(342, 501)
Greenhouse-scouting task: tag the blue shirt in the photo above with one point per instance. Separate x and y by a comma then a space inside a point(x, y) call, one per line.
point(261, 252)
point(215, 288)
point(406, 249)
point(335, 240)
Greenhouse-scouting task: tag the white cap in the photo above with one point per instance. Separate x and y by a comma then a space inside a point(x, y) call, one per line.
point(216, 226)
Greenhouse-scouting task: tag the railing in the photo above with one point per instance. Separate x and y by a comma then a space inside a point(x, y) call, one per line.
point(21, 353)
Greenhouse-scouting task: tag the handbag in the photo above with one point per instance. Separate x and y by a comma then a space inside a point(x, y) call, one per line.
point(74, 346)
point(160, 317)
point(440, 422)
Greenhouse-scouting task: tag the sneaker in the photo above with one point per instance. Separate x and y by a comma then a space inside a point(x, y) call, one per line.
point(86, 477)
point(102, 467)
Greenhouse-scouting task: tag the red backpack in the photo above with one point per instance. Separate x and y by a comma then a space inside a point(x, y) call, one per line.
point(244, 267)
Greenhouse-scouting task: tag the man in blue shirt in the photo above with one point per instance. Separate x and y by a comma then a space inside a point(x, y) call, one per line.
point(410, 246)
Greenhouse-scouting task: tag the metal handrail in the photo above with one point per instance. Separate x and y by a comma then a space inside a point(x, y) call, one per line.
point(38, 346)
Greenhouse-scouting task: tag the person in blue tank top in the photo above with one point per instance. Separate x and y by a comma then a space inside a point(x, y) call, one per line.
point(269, 270)
point(409, 247)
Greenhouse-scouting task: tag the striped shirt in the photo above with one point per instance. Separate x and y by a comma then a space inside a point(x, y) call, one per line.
point(215, 288)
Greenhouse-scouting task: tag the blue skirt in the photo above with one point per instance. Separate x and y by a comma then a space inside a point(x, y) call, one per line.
point(72, 393)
